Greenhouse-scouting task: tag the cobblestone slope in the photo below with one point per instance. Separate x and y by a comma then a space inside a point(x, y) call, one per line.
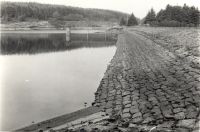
point(150, 84)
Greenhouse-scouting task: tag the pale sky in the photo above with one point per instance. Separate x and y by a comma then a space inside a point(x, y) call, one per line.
point(138, 7)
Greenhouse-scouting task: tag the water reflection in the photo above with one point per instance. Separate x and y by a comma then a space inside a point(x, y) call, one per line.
point(37, 87)
point(38, 43)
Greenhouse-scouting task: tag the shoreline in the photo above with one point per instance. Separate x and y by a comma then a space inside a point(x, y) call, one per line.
point(52, 31)
point(137, 82)
point(62, 120)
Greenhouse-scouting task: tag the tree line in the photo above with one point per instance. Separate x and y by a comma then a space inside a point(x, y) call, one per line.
point(174, 16)
point(171, 16)
point(22, 11)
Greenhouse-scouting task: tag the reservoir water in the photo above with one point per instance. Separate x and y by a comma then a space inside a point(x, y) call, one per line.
point(44, 76)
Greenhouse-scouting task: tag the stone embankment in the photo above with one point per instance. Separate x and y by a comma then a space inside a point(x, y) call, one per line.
point(151, 86)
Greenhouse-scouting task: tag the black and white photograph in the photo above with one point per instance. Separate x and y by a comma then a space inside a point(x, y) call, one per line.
point(100, 65)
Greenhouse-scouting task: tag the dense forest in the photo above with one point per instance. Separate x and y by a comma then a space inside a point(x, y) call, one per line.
point(174, 16)
point(19, 11)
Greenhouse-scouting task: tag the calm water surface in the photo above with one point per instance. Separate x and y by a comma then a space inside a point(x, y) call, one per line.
point(43, 76)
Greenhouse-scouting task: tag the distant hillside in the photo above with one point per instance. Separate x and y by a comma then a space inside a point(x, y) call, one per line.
point(19, 11)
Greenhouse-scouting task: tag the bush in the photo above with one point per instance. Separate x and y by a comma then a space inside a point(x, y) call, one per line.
point(57, 23)
point(21, 18)
point(170, 23)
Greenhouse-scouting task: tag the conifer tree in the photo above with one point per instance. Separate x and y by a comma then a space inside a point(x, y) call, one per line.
point(151, 17)
point(132, 21)
point(122, 22)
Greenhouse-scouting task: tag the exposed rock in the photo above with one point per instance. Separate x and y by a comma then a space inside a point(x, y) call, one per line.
point(126, 115)
point(134, 110)
point(188, 123)
point(179, 116)
point(182, 130)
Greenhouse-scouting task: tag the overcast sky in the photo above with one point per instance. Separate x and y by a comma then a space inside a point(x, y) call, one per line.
point(138, 7)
